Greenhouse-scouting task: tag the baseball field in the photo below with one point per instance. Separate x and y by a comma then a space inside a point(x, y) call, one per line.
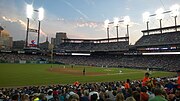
point(13, 75)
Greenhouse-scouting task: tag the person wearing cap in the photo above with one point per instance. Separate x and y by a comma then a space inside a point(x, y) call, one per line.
point(145, 79)
point(93, 93)
point(49, 94)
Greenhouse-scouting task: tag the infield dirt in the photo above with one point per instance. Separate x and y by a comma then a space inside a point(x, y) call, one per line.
point(73, 71)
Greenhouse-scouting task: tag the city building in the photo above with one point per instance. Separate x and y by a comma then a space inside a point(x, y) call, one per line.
point(59, 38)
point(53, 41)
point(45, 45)
point(5, 40)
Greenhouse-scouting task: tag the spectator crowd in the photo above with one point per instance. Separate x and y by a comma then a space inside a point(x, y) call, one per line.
point(159, 39)
point(15, 57)
point(147, 89)
point(112, 46)
point(162, 62)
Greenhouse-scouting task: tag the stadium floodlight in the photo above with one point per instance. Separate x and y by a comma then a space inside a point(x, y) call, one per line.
point(41, 16)
point(29, 11)
point(174, 13)
point(106, 23)
point(116, 20)
point(146, 16)
point(174, 10)
point(159, 13)
point(127, 20)
point(160, 16)
point(41, 13)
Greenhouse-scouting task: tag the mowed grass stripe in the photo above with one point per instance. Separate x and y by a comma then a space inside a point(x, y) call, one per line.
point(38, 74)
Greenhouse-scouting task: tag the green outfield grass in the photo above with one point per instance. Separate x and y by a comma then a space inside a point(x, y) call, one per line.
point(37, 74)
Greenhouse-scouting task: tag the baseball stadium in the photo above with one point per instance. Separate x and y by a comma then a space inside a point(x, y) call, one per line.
point(102, 69)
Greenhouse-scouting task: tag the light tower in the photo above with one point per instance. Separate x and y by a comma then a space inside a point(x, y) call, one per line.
point(146, 16)
point(116, 20)
point(174, 13)
point(127, 22)
point(41, 17)
point(159, 16)
point(106, 25)
point(29, 13)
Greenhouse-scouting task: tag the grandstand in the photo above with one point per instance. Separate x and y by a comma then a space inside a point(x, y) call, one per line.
point(98, 45)
point(166, 42)
point(111, 53)
point(170, 38)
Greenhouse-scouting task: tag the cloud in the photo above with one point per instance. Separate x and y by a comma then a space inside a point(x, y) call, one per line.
point(87, 24)
point(22, 23)
point(17, 28)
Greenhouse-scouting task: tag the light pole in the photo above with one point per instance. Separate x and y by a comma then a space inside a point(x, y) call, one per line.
point(41, 17)
point(106, 25)
point(116, 20)
point(27, 31)
point(174, 13)
point(146, 16)
point(160, 22)
point(126, 22)
point(127, 30)
point(160, 16)
point(39, 27)
point(29, 13)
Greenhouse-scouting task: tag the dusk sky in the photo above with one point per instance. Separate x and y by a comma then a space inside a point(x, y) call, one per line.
point(81, 18)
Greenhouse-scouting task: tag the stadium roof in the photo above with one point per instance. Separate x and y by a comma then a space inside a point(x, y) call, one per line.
point(158, 29)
